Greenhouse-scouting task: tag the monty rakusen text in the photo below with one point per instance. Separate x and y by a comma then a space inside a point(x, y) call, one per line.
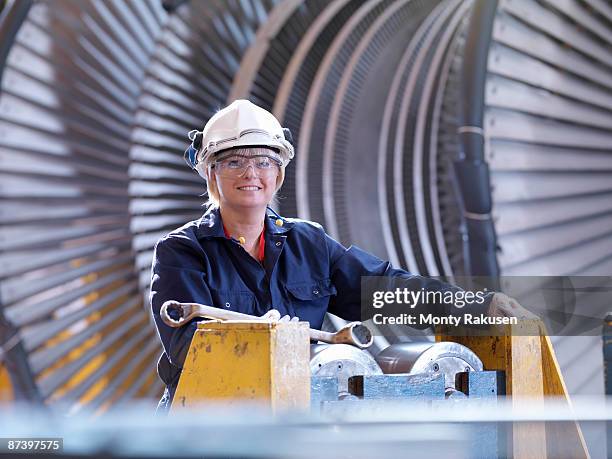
point(409, 299)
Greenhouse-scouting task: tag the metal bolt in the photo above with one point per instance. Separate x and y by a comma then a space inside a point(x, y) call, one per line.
point(316, 292)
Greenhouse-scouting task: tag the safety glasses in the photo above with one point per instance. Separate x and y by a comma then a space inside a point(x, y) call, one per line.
point(236, 166)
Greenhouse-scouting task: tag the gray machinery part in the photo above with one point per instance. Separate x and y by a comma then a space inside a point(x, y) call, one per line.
point(341, 361)
point(444, 357)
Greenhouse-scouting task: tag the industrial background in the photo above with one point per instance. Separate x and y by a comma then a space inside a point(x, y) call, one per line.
point(382, 97)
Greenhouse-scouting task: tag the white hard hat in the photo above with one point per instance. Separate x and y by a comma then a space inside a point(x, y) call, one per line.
point(240, 124)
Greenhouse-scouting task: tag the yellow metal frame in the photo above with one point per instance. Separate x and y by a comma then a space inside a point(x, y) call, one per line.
point(525, 353)
point(257, 361)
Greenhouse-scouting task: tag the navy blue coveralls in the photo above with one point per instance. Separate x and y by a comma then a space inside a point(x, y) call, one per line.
point(305, 273)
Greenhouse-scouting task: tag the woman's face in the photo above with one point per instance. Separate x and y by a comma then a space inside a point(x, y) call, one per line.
point(248, 182)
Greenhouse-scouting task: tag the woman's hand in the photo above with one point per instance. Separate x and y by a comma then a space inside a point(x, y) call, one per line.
point(287, 318)
point(274, 316)
point(504, 306)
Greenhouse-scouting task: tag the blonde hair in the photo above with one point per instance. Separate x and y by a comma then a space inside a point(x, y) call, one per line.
point(211, 183)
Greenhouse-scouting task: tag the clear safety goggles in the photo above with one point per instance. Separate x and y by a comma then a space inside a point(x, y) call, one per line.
point(236, 166)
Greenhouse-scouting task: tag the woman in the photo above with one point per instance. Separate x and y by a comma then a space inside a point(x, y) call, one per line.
point(242, 256)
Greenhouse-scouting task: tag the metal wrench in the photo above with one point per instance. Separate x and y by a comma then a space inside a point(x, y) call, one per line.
point(354, 333)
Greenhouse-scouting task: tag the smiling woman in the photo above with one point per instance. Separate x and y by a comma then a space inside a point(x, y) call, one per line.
point(243, 256)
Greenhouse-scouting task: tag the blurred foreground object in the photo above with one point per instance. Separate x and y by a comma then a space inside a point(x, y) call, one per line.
point(388, 429)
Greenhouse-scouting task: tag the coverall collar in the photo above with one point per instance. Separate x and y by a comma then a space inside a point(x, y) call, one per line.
point(211, 226)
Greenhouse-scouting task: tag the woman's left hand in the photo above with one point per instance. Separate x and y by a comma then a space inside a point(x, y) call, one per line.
point(273, 315)
point(288, 318)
